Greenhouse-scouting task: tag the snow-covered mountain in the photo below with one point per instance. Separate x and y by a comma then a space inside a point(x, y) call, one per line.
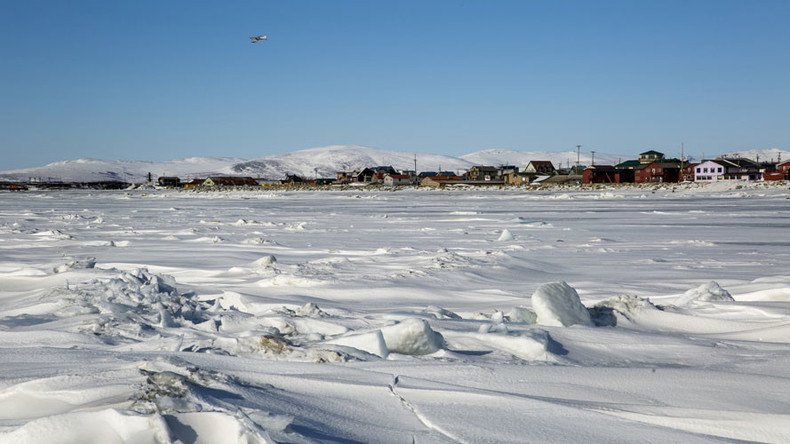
point(94, 170)
point(498, 156)
point(321, 162)
point(326, 161)
point(759, 154)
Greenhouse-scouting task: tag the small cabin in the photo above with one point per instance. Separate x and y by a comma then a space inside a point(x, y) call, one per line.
point(169, 181)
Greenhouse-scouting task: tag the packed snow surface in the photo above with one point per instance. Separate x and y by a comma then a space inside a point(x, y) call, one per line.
point(599, 315)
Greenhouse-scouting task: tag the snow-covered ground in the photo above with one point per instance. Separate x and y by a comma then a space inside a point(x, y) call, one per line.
point(613, 315)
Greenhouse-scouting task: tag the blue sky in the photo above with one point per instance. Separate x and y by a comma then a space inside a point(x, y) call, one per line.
point(154, 80)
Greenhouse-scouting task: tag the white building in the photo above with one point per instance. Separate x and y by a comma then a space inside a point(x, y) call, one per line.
point(709, 170)
point(392, 180)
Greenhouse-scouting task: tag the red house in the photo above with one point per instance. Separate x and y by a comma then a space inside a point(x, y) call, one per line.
point(657, 172)
point(599, 174)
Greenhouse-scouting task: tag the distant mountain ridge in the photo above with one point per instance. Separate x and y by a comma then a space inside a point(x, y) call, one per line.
point(315, 162)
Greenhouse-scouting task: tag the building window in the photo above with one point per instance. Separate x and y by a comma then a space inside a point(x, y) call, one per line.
point(699, 170)
point(719, 170)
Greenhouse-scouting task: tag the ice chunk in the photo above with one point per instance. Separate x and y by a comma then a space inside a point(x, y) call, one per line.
point(371, 342)
point(311, 310)
point(606, 313)
point(710, 292)
point(89, 262)
point(505, 236)
point(412, 337)
point(557, 304)
point(267, 260)
point(440, 313)
point(521, 314)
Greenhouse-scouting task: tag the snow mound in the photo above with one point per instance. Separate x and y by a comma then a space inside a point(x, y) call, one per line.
point(709, 292)
point(558, 304)
point(105, 426)
point(372, 342)
point(89, 262)
point(608, 312)
point(532, 345)
point(311, 310)
point(412, 337)
point(266, 261)
point(505, 236)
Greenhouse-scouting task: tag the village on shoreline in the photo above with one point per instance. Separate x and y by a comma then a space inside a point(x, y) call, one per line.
point(651, 168)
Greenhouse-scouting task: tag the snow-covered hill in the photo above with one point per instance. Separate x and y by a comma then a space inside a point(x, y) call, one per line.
point(331, 159)
point(497, 156)
point(321, 162)
point(93, 170)
point(760, 154)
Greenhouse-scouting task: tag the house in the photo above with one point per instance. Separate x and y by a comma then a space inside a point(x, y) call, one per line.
point(709, 170)
point(727, 169)
point(345, 176)
point(229, 181)
point(293, 179)
point(437, 181)
point(506, 169)
point(194, 183)
point(660, 171)
point(392, 180)
point(166, 181)
point(740, 168)
point(784, 168)
point(599, 174)
point(366, 175)
point(517, 178)
point(650, 156)
point(626, 171)
point(482, 172)
point(687, 172)
point(540, 167)
point(773, 176)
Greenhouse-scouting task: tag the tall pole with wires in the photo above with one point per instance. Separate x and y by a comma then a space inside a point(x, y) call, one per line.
point(682, 177)
point(592, 161)
point(578, 155)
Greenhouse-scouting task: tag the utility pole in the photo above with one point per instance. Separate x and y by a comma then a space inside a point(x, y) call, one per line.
point(415, 164)
point(578, 154)
point(592, 162)
point(682, 177)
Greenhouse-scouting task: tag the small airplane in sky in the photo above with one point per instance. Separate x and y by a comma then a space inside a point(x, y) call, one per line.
point(258, 38)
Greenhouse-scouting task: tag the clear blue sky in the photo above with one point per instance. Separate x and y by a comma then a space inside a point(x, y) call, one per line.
point(154, 80)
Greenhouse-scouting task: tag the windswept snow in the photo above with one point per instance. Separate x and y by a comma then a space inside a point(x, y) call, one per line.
point(609, 315)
